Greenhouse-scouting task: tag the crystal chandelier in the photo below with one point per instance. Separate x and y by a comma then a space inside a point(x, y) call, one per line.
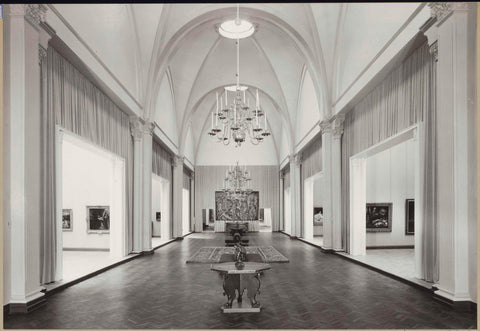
point(237, 181)
point(237, 121)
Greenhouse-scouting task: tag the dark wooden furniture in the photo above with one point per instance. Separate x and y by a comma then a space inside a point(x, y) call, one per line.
point(236, 281)
point(235, 233)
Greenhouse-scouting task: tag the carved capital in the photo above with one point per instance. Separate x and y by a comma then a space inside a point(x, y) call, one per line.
point(35, 13)
point(298, 159)
point(441, 10)
point(17, 9)
point(325, 126)
point(434, 50)
point(177, 160)
point(136, 128)
point(148, 128)
point(337, 125)
point(42, 54)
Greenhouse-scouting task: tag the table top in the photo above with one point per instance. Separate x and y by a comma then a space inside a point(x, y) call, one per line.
point(250, 267)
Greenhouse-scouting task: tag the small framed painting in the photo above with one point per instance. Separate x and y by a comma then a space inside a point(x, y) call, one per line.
point(410, 216)
point(158, 216)
point(67, 218)
point(98, 219)
point(379, 217)
point(317, 215)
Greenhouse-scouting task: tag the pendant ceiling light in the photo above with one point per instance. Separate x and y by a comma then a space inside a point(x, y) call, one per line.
point(237, 28)
point(237, 180)
point(237, 121)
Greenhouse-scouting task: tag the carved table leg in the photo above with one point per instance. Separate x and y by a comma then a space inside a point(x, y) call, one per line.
point(230, 284)
point(253, 288)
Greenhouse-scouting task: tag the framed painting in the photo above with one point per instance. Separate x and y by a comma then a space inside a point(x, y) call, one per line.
point(410, 216)
point(98, 219)
point(67, 219)
point(379, 217)
point(158, 216)
point(317, 215)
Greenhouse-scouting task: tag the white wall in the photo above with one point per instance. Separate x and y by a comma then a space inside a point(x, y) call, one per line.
point(185, 211)
point(165, 116)
point(157, 206)
point(88, 180)
point(107, 29)
point(213, 153)
point(318, 194)
point(308, 112)
point(390, 178)
point(189, 151)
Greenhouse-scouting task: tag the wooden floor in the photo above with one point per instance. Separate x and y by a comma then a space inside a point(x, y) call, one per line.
point(314, 291)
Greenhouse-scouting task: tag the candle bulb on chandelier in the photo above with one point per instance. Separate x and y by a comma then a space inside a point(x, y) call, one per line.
point(212, 119)
point(226, 99)
point(244, 96)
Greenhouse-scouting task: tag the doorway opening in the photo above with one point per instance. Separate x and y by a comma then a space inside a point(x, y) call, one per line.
point(161, 219)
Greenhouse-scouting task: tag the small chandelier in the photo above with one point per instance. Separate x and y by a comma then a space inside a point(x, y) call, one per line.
point(237, 120)
point(237, 181)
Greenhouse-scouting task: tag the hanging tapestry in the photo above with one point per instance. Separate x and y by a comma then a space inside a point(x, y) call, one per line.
point(236, 208)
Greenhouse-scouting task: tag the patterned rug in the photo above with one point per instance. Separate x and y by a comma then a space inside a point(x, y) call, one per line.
point(213, 254)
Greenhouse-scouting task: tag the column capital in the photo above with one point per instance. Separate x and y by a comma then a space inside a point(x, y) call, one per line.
point(298, 158)
point(441, 10)
point(337, 125)
point(434, 50)
point(42, 54)
point(136, 128)
point(177, 160)
point(148, 128)
point(325, 126)
point(35, 13)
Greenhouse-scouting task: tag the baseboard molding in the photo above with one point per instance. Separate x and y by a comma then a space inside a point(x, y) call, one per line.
point(324, 250)
point(460, 306)
point(150, 252)
point(93, 274)
point(87, 249)
point(24, 308)
point(391, 247)
point(165, 243)
point(383, 272)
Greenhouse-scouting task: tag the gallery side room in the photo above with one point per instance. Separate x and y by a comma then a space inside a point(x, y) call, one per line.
point(240, 166)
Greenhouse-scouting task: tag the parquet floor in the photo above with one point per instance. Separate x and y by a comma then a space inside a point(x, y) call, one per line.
point(313, 291)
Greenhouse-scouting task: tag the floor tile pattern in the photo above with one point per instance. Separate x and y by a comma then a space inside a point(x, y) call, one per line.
point(314, 291)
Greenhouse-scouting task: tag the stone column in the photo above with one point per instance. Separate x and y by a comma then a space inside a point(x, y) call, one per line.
point(177, 199)
point(136, 128)
point(295, 193)
point(456, 134)
point(326, 129)
point(336, 181)
point(147, 130)
point(25, 42)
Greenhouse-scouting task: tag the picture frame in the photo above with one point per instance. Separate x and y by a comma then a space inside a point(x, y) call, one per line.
point(98, 219)
point(318, 220)
point(379, 217)
point(67, 220)
point(158, 216)
point(409, 217)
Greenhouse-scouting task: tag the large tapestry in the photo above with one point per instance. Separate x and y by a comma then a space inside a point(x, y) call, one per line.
point(230, 208)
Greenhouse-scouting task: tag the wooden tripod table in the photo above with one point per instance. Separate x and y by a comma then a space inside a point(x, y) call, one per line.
point(238, 280)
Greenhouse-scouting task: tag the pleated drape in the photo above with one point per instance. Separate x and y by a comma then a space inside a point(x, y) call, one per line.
point(80, 107)
point(286, 176)
point(186, 178)
point(397, 103)
point(312, 158)
point(48, 227)
point(161, 161)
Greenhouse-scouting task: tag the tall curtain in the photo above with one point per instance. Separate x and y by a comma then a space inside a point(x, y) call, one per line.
point(430, 249)
point(48, 239)
point(286, 176)
point(397, 103)
point(82, 108)
point(186, 178)
point(312, 158)
point(161, 161)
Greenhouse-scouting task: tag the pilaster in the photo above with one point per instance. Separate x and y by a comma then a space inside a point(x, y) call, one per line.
point(22, 150)
point(147, 130)
point(336, 181)
point(177, 162)
point(296, 194)
point(453, 116)
point(326, 131)
point(136, 128)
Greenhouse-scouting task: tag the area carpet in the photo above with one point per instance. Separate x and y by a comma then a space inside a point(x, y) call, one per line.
point(213, 254)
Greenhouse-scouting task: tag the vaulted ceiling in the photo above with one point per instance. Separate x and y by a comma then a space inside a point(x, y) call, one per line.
point(147, 46)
